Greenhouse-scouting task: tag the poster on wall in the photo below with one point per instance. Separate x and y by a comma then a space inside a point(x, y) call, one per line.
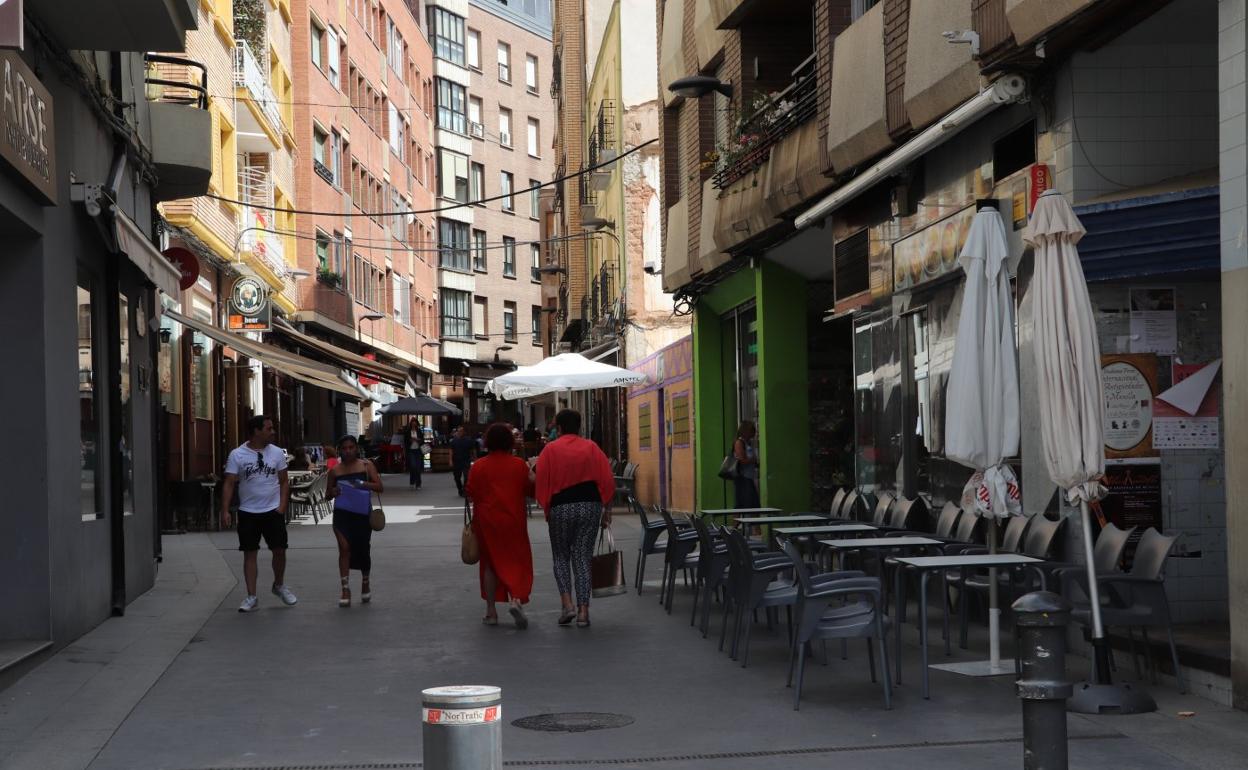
point(1154, 328)
point(1186, 415)
point(1130, 382)
point(1134, 494)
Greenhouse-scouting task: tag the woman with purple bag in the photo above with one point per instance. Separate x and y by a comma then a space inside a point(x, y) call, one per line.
point(351, 485)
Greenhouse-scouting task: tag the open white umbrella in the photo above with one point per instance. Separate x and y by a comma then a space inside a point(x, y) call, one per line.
point(564, 372)
point(981, 419)
point(1071, 401)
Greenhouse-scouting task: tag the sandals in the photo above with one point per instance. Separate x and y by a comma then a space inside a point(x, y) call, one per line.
point(490, 620)
point(345, 601)
point(566, 617)
point(366, 592)
point(582, 623)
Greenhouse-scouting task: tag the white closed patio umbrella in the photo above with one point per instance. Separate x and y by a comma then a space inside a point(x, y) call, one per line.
point(564, 372)
point(981, 418)
point(1071, 404)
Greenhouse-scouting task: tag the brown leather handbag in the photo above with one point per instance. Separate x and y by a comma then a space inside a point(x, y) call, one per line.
point(607, 568)
point(469, 549)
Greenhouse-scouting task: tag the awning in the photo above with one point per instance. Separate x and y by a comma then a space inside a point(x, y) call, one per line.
point(353, 361)
point(1151, 235)
point(601, 351)
point(290, 364)
point(1005, 90)
point(132, 242)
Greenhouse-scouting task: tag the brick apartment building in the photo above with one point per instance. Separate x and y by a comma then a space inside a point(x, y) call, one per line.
point(363, 102)
point(494, 124)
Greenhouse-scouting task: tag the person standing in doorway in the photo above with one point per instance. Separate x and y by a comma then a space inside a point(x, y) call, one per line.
point(463, 449)
point(575, 488)
point(745, 485)
point(415, 453)
point(257, 469)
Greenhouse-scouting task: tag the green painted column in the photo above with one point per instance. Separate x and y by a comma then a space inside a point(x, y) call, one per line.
point(708, 408)
point(783, 396)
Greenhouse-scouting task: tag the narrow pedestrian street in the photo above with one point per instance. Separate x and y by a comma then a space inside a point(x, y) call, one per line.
point(185, 682)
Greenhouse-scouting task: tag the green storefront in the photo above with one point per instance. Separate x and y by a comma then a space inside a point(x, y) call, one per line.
point(750, 363)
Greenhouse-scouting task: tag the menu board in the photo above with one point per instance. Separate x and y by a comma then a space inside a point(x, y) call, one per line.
point(931, 252)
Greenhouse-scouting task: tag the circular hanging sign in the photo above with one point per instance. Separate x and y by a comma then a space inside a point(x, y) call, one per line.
point(248, 296)
point(1128, 406)
point(187, 264)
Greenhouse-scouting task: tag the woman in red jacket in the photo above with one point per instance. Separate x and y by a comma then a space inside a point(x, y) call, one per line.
point(497, 487)
point(575, 487)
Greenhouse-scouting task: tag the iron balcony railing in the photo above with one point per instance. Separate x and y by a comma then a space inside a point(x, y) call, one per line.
point(176, 80)
point(255, 187)
point(602, 133)
point(750, 145)
point(249, 72)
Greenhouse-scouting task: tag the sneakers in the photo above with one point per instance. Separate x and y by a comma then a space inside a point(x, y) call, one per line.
point(288, 598)
point(250, 604)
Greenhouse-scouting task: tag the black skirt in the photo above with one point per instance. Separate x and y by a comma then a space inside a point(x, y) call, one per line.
point(359, 536)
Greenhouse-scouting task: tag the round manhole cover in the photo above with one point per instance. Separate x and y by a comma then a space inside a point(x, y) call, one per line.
point(573, 722)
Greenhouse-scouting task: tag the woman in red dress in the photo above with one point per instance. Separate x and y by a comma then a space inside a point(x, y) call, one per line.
point(497, 487)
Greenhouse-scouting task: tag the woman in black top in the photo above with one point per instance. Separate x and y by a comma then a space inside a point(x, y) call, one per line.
point(351, 485)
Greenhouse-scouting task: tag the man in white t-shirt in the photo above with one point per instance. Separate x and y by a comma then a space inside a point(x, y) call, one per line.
point(257, 469)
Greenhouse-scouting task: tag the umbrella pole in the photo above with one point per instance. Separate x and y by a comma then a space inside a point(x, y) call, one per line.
point(994, 606)
point(1099, 644)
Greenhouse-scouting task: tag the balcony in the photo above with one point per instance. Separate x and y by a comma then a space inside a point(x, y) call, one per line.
point(589, 199)
point(857, 117)
point(775, 118)
point(117, 25)
point(602, 144)
point(939, 76)
point(676, 269)
point(181, 126)
point(260, 126)
point(255, 238)
point(1029, 19)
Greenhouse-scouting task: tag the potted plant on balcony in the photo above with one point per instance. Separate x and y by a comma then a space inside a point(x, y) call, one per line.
point(329, 277)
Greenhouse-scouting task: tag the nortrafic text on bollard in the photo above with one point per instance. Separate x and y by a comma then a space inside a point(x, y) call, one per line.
point(1042, 618)
point(462, 728)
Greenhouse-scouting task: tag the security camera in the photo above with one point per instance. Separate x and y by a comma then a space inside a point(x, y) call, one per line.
point(651, 267)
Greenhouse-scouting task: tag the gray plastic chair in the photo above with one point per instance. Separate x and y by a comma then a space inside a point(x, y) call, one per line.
point(883, 506)
point(947, 520)
point(712, 572)
point(837, 499)
point(1138, 599)
point(1106, 555)
point(651, 539)
point(679, 555)
point(753, 585)
point(840, 606)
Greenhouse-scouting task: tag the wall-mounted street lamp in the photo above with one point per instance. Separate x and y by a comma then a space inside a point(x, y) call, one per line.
point(697, 86)
point(552, 270)
point(597, 224)
point(500, 349)
point(297, 273)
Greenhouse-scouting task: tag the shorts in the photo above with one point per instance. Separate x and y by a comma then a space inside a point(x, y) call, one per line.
point(252, 526)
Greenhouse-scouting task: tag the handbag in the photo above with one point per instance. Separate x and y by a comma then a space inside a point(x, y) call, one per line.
point(377, 516)
point(607, 567)
point(729, 467)
point(469, 549)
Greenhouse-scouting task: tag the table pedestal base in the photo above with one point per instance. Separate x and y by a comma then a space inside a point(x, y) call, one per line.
point(978, 668)
point(1109, 699)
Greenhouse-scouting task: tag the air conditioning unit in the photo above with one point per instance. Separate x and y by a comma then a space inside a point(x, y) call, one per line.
point(477, 130)
point(504, 139)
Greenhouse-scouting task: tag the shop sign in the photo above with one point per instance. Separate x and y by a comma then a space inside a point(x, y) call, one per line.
point(27, 130)
point(931, 252)
point(1041, 180)
point(249, 306)
point(187, 264)
point(365, 379)
point(1130, 382)
point(11, 26)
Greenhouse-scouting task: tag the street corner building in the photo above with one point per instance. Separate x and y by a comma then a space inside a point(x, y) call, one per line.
point(821, 164)
point(86, 158)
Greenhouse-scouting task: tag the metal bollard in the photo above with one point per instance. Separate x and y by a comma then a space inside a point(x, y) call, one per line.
point(1042, 618)
point(462, 728)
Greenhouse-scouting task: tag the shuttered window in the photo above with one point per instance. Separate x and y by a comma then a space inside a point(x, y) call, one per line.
point(852, 268)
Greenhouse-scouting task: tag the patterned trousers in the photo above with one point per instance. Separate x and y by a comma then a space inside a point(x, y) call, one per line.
point(573, 528)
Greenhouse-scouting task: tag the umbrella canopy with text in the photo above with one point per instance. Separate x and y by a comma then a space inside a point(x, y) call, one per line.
point(566, 371)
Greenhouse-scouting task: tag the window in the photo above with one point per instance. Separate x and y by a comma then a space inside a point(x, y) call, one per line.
point(395, 48)
point(456, 314)
point(319, 138)
point(322, 252)
point(504, 62)
point(448, 35)
point(530, 73)
point(331, 56)
point(645, 427)
point(535, 198)
point(402, 301)
point(509, 257)
point(535, 261)
point(476, 182)
point(474, 49)
point(478, 250)
point(90, 449)
point(680, 420)
point(859, 7)
point(451, 107)
point(475, 125)
point(537, 325)
point(506, 182)
point(453, 175)
point(318, 46)
point(480, 317)
point(534, 131)
point(509, 321)
point(453, 245)
point(396, 129)
point(335, 158)
point(504, 127)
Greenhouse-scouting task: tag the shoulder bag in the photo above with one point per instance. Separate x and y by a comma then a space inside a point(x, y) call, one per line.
point(377, 516)
point(607, 568)
point(469, 549)
point(730, 467)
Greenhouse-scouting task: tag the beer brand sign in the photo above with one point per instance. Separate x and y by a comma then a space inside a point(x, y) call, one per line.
point(27, 136)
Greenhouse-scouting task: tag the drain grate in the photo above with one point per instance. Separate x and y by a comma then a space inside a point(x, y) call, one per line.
point(662, 759)
point(573, 722)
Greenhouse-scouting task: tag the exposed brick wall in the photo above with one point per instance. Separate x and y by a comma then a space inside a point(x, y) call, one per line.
point(988, 19)
point(570, 32)
point(896, 27)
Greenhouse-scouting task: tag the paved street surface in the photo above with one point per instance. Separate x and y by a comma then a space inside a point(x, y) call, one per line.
point(186, 682)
